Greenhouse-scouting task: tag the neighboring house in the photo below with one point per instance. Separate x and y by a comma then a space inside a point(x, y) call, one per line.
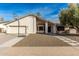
point(30, 24)
point(2, 25)
point(2, 28)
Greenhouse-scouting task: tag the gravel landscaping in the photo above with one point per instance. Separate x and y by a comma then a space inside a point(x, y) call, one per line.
point(40, 40)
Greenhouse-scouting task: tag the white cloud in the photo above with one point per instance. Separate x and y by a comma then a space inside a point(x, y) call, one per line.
point(41, 10)
point(6, 16)
point(54, 16)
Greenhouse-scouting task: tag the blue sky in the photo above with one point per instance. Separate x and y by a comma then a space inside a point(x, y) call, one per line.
point(48, 11)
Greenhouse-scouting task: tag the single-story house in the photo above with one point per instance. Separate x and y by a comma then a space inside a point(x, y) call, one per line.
point(30, 24)
point(2, 28)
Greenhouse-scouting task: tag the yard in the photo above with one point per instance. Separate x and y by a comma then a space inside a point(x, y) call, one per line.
point(40, 40)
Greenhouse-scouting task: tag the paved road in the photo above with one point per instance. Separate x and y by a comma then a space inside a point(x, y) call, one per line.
point(40, 51)
point(5, 37)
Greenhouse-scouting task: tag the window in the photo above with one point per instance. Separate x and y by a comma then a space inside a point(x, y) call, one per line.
point(60, 28)
point(41, 28)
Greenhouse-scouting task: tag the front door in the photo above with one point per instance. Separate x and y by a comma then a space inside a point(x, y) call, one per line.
point(49, 29)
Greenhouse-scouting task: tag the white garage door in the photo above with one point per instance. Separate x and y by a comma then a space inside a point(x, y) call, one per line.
point(21, 30)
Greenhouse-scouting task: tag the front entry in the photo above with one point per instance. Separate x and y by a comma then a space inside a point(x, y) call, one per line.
point(49, 29)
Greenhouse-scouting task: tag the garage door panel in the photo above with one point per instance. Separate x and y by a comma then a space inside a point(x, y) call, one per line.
point(13, 30)
point(22, 30)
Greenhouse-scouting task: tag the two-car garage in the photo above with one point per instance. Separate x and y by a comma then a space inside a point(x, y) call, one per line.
point(19, 30)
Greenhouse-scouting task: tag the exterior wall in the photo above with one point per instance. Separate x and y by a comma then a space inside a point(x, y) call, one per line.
point(29, 22)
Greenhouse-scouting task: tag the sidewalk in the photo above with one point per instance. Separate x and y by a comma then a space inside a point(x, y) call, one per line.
point(6, 37)
point(68, 40)
point(40, 51)
point(11, 42)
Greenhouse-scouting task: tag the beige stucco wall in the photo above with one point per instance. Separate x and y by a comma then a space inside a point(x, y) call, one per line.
point(29, 22)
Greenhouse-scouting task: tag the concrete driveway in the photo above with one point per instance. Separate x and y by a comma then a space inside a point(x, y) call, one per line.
point(5, 37)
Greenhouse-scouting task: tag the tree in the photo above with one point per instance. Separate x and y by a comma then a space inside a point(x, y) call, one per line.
point(70, 17)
